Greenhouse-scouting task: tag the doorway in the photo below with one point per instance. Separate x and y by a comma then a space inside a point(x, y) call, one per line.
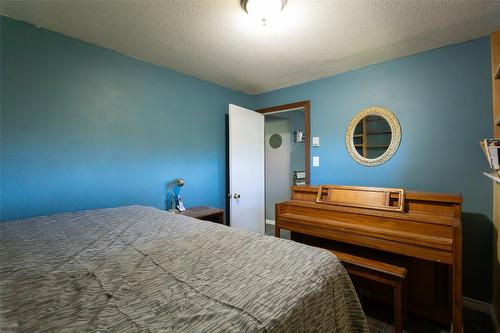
point(287, 163)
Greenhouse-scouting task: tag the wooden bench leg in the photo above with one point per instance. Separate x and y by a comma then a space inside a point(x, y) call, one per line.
point(398, 325)
point(405, 299)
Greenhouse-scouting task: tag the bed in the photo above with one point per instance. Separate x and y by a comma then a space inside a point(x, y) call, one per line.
point(139, 268)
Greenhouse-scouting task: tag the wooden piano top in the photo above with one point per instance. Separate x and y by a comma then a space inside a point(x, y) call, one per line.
point(423, 227)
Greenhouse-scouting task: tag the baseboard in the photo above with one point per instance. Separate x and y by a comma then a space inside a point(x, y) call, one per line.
point(271, 222)
point(495, 319)
point(477, 305)
point(484, 307)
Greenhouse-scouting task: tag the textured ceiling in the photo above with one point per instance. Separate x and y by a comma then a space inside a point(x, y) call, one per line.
point(217, 41)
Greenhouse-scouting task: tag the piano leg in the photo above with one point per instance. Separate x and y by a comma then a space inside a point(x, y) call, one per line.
point(276, 230)
point(457, 281)
point(277, 210)
point(398, 325)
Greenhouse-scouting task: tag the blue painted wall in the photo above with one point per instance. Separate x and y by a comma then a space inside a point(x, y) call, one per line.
point(442, 99)
point(85, 127)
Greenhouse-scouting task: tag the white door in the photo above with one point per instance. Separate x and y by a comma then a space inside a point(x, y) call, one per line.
point(246, 169)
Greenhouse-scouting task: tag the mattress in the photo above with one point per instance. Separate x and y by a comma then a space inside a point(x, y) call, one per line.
point(141, 269)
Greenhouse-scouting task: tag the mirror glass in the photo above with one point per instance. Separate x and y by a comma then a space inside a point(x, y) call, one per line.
point(372, 136)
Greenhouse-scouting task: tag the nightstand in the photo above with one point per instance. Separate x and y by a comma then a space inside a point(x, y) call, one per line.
point(205, 213)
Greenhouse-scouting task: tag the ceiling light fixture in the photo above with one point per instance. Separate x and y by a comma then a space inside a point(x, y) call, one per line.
point(264, 10)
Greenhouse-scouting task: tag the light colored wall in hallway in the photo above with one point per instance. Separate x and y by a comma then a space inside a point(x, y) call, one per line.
point(281, 162)
point(278, 172)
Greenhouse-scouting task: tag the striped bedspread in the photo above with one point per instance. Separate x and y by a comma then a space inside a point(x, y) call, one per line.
point(141, 269)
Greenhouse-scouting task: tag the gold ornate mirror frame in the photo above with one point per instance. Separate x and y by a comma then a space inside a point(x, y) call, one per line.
point(395, 136)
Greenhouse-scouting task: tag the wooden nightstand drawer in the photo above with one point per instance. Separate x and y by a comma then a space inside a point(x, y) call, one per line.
point(205, 213)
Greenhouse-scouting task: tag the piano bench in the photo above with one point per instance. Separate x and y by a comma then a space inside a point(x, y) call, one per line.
point(381, 272)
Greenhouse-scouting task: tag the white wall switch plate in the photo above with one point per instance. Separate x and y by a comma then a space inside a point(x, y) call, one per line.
point(315, 141)
point(315, 161)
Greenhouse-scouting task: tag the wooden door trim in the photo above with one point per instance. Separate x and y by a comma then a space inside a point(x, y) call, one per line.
point(306, 105)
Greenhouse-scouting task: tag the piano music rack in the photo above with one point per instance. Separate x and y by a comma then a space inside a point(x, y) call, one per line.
point(391, 199)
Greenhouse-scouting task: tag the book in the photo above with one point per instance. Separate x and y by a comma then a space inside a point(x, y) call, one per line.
point(482, 143)
point(492, 147)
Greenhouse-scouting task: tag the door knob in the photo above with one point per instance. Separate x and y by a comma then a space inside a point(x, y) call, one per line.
point(236, 196)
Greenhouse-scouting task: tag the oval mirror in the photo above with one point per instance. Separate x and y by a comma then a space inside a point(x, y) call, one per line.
point(373, 136)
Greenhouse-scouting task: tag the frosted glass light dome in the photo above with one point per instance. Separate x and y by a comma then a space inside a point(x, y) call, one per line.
point(264, 10)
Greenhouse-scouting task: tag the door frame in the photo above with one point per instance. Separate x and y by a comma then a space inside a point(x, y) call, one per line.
point(306, 105)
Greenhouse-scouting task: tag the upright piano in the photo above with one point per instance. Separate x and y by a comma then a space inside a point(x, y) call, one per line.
point(423, 227)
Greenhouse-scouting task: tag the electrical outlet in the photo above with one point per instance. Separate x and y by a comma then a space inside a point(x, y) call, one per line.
point(315, 161)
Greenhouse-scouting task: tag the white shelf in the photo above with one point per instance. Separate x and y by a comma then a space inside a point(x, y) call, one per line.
point(493, 176)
